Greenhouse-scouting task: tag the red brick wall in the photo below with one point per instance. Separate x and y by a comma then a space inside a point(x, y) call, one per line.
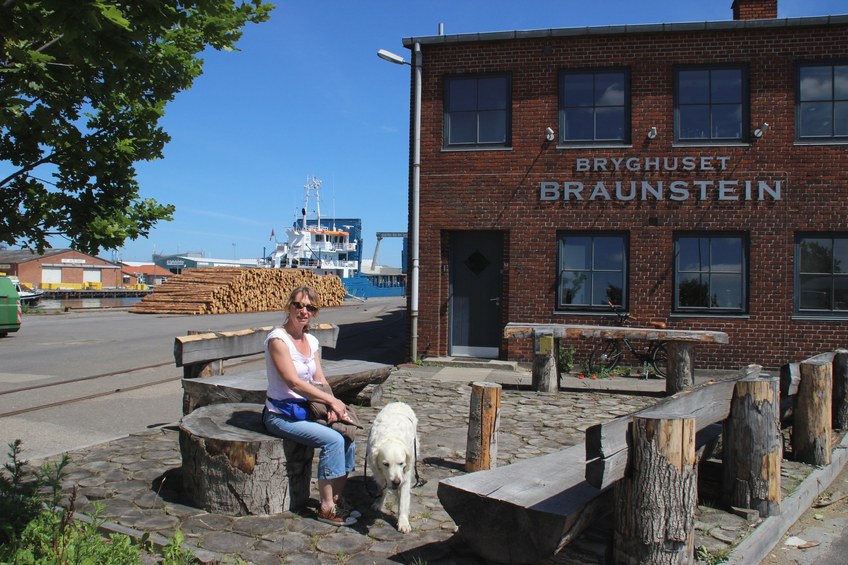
point(30, 272)
point(499, 190)
point(754, 9)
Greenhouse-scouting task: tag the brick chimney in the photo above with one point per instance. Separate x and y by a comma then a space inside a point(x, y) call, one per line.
point(754, 9)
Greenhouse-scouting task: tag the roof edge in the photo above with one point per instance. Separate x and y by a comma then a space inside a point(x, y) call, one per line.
point(722, 25)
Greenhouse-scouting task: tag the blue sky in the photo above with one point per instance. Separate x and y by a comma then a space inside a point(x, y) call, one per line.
point(306, 95)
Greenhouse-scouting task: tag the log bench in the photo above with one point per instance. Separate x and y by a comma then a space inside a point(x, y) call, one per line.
point(680, 345)
point(529, 510)
point(231, 466)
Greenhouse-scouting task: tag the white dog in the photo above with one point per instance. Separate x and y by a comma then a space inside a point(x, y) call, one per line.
point(391, 454)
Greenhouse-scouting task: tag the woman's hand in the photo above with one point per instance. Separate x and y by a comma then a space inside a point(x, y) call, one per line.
point(337, 411)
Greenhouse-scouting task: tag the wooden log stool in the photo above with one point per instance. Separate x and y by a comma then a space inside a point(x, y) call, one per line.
point(232, 466)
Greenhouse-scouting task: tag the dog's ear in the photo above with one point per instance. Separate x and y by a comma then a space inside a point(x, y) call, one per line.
point(410, 459)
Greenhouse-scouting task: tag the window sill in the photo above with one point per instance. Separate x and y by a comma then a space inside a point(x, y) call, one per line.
point(801, 143)
point(585, 146)
point(820, 318)
point(472, 149)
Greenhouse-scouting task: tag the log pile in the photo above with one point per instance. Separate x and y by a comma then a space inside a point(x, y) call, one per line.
point(228, 290)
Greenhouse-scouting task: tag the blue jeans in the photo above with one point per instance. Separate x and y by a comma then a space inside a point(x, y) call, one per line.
point(337, 454)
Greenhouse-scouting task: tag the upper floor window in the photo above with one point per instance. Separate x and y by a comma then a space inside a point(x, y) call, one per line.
point(478, 111)
point(821, 109)
point(821, 274)
point(592, 270)
point(594, 107)
point(710, 273)
point(711, 105)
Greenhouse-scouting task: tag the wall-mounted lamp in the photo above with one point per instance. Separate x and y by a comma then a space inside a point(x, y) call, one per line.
point(549, 134)
point(652, 133)
point(758, 133)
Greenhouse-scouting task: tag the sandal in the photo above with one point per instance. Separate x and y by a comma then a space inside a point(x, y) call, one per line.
point(334, 519)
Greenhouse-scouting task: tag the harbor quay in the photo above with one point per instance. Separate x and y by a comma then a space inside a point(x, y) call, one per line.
point(136, 480)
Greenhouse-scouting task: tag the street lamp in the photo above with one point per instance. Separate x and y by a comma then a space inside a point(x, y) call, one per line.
point(416, 166)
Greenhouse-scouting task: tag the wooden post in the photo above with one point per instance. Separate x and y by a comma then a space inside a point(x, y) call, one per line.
point(681, 366)
point(545, 374)
point(198, 370)
point(481, 451)
point(753, 446)
point(840, 389)
point(656, 500)
point(813, 412)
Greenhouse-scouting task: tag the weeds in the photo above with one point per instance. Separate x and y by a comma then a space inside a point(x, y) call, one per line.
point(36, 527)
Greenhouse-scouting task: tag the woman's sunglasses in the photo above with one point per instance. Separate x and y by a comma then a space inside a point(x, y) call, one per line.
point(299, 305)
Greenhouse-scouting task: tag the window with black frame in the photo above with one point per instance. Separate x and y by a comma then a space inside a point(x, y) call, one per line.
point(710, 273)
point(821, 274)
point(592, 270)
point(594, 107)
point(821, 109)
point(711, 105)
point(478, 111)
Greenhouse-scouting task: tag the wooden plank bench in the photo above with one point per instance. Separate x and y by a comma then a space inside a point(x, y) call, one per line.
point(681, 347)
point(529, 510)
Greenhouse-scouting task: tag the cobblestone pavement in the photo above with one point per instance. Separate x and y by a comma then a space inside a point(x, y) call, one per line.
point(136, 480)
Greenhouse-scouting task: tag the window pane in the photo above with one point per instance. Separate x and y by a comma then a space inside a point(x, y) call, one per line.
point(609, 89)
point(726, 291)
point(840, 82)
point(579, 124)
point(693, 253)
point(607, 287)
point(840, 118)
point(609, 123)
point(726, 254)
point(493, 127)
point(462, 94)
point(693, 87)
point(816, 83)
point(816, 255)
point(609, 253)
point(815, 292)
point(579, 90)
point(727, 121)
point(726, 86)
point(694, 122)
point(840, 255)
point(572, 288)
point(693, 292)
point(462, 127)
point(816, 119)
point(576, 253)
point(840, 293)
point(492, 94)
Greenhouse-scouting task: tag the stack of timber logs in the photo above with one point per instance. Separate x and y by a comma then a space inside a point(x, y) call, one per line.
point(228, 290)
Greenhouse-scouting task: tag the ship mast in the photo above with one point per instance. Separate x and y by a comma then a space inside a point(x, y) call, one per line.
point(312, 184)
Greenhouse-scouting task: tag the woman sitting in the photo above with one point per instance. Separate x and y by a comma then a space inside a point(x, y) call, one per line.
point(293, 366)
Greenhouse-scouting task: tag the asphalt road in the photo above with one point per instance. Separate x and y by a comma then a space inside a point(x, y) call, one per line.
point(69, 380)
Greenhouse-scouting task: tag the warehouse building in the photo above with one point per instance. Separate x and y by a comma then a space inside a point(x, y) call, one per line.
point(60, 268)
point(693, 173)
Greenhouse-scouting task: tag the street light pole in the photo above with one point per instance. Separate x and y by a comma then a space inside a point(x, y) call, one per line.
point(416, 175)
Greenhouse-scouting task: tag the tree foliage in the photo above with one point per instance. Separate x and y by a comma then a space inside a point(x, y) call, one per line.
point(83, 85)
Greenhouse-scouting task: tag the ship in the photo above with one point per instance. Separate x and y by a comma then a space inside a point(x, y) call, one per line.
point(327, 249)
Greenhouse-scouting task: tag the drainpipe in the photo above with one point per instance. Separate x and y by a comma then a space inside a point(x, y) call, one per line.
point(416, 170)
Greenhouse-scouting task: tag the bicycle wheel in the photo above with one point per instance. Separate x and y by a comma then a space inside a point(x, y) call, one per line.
point(659, 359)
point(605, 356)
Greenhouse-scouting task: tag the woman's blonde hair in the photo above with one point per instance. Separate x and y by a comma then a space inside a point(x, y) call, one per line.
point(309, 292)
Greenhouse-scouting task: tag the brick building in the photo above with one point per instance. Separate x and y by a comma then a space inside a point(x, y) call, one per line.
point(694, 173)
point(59, 266)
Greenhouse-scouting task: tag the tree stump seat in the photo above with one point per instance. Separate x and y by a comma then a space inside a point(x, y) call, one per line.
point(230, 465)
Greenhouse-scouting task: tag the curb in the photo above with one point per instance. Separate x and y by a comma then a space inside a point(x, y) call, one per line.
point(757, 544)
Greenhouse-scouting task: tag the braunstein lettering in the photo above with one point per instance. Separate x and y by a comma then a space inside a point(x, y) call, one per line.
point(673, 190)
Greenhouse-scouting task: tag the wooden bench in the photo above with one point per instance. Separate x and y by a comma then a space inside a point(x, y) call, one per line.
point(529, 510)
point(680, 346)
point(230, 465)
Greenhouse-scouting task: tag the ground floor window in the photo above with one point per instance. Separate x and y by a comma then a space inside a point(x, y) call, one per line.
point(592, 270)
point(821, 274)
point(710, 273)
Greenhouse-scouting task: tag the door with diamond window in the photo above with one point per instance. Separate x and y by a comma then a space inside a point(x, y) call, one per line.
point(476, 260)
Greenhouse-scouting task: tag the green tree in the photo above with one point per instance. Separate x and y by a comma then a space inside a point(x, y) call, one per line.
point(83, 85)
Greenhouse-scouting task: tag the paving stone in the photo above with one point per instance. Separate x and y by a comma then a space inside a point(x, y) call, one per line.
point(226, 542)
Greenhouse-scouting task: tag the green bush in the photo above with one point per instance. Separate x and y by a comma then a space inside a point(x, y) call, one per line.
point(35, 526)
